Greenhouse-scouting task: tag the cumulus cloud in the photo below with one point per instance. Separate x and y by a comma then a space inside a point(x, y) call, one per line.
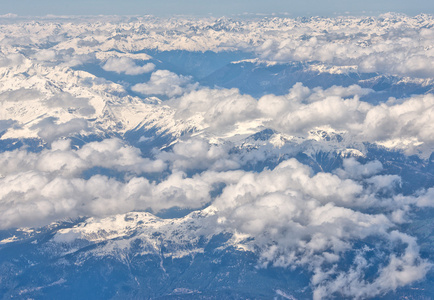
point(165, 83)
point(50, 182)
point(426, 198)
point(49, 130)
point(216, 110)
point(293, 216)
point(34, 198)
point(355, 170)
point(63, 161)
point(126, 65)
point(66, 100)
point(399, 271)
point(405, 124)
point(298, 115)
point(297, 218)
point(400, 49)
point(37, 188)
point(197, 154)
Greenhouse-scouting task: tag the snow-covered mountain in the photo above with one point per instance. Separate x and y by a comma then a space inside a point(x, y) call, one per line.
point(216, 158)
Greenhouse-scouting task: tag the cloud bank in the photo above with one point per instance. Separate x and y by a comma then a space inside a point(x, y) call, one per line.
point(404, 124)
point(389, 43)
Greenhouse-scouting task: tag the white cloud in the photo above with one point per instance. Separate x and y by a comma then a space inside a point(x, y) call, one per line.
point(198, 154)
point(46, 55)
point(294, 216)
point(426, 199)
point(49, 129)
point(21, 94)
point(300, 219)
point(405, 124)
point(166, 83)
point(11, 60)
point(355, 170)
point(402, 50)
point(215, 109)
point(66, 100)
point(396, 44)
point(63, 161)
point(126, 65)
point(35, 198)
point(399, 271)
point(393, 45)
point(40, 187)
